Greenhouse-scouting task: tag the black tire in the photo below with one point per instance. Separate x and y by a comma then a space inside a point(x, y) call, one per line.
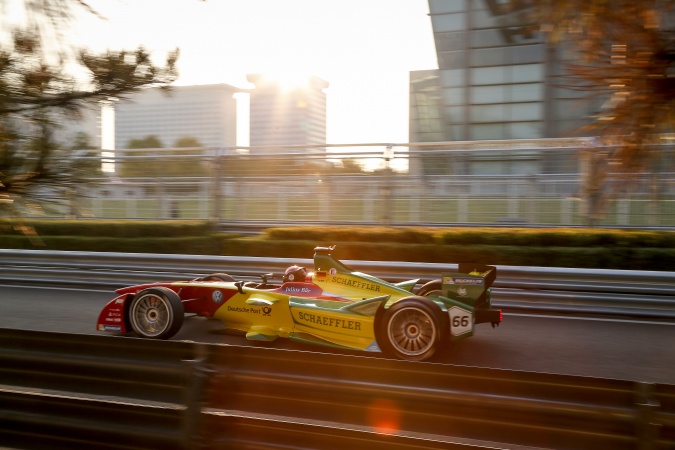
point(413, 329)
point(218, 277)
point(431, 289)
point(156, 313)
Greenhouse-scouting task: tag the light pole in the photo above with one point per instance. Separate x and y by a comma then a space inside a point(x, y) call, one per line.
point(387, 194)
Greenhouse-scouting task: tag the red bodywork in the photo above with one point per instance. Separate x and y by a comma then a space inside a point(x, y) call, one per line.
point(196, 298)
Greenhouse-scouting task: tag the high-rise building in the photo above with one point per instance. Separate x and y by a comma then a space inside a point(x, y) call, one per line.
point(287, 114)
point(497, 77)
point(206, 113)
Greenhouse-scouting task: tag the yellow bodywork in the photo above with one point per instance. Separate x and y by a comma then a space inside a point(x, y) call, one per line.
point(266, 316)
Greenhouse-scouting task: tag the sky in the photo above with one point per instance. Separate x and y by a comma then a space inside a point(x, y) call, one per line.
point(365, 49)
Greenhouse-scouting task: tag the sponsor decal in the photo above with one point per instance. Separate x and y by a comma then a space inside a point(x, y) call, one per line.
point(321, 276)
point(217, 297)
point(330, 321)
point(356, 284)
point(300, 289)
point(461, 292)
point(245, 310)
point(461, 280)
point(267, 311)
point(110, 328)
point(114, 316)
point(333, 271)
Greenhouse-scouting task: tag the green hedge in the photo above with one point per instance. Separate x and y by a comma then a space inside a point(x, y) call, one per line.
point(555, 247)
point(627, 258)
point(556, 237)
point(191, 245)
point(108, 228)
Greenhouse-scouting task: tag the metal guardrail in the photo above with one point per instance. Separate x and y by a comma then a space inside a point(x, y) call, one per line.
point(71, 391)
point(632, 294)
point(439, 402)
point(77, 391)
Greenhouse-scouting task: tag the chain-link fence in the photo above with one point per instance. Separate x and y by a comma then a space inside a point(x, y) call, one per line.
point(555, 182)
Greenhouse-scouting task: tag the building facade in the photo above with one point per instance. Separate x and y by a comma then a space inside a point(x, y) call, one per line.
point(207, 113)
point(287, 115)
point(497, 78)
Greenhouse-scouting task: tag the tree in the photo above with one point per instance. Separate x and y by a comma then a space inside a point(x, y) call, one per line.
point(161, 164)
point(187, 142)
point(150, 141)
point(86, 156)
point(626, 52)
point(36, 92)
point(82, 141)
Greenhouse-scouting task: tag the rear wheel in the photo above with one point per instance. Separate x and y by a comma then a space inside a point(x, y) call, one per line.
point(431, 289)
point(413, 329)
point(156, 313)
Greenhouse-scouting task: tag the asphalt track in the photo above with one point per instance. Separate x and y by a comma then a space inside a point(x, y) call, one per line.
point(604, 348)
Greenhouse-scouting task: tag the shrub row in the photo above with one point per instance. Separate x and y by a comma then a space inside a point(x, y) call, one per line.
point(582, 248)
point(190, 245)
point(107, 228)
point(543, 237)
point(626, 258)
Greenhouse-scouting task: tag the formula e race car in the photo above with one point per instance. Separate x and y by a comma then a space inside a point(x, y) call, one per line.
point(333, 306)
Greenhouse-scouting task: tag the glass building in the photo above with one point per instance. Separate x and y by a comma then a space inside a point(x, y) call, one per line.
point(293, 114)
point(497, 78)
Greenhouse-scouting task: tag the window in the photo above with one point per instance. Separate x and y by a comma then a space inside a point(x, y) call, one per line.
point(527, 111)
point(454, 114)
point(528, 54)
point(490, 94)
point(489, 75)
point(527, 92)
point(490, 57)
point(450, 60)
point(453, 77)
point(448, 22)
point(490, 113)
point(526, 130)
point(447, 42)
point(486, 38)
point(446, 6)
point(527, 73)
point(453, 96)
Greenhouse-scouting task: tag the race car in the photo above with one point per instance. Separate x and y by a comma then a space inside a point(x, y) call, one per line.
point(333, 305)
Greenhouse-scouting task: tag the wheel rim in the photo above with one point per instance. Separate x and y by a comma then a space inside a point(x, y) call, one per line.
point(151, 315)
point(412, 331)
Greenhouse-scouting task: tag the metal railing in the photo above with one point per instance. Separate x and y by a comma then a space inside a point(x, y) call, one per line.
point(78, 391)
point(524, 182)
point(537, 290)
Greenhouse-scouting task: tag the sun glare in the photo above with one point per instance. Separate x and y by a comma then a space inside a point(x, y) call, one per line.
point(289, 81)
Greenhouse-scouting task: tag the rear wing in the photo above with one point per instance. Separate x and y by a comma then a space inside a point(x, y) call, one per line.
point(469, 283)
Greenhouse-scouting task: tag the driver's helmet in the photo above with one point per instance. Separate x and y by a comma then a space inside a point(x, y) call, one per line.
point(295, 273)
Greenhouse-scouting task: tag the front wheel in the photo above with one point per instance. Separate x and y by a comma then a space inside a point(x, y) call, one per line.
point(156, 313)
point(413, 329)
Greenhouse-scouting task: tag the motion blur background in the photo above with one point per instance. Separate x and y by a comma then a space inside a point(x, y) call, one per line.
point(385, 112)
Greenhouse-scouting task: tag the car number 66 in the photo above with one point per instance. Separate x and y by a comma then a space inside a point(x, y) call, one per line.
point(461, 321)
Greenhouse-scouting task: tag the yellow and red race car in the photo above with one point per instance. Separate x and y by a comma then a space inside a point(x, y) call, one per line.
point(332, 305)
